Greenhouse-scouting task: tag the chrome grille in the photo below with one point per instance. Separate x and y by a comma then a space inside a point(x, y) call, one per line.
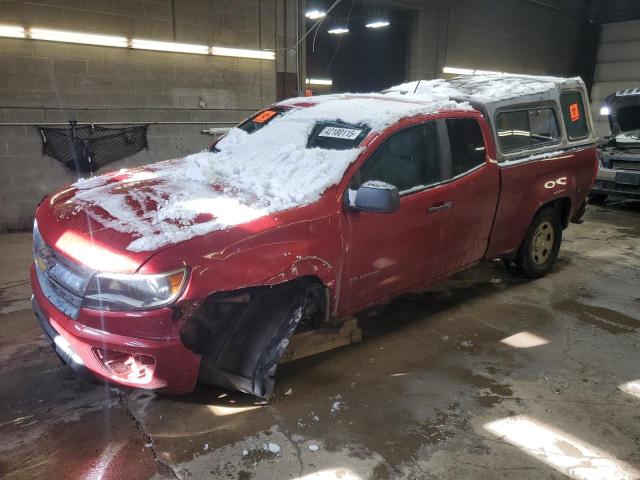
point(62, 281)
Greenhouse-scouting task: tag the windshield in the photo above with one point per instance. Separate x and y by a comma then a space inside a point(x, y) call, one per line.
point(328, 135)
point(628, 118)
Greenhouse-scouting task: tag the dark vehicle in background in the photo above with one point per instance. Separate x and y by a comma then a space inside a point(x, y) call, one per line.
point(619, 168)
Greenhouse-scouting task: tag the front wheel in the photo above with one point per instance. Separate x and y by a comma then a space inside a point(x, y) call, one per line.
point(541, 244)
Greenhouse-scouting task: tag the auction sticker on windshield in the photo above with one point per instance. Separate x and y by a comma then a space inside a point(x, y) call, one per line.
point(264, 116)
point(339, 132)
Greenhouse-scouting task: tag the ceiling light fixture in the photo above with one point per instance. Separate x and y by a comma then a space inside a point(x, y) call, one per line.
point(470, 71)
point(338, 30)
point(378, 24)
point(315, 14)
point(12, 31)
point(487, 72)
point(458, 71)
point(77, 37)
point(169, 46)
point(320, 81)
point(241, 52)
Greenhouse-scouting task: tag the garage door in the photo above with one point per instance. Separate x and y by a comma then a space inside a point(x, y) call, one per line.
point(617, 66)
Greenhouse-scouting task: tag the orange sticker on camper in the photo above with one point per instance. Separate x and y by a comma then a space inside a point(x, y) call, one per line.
point(574, 112)
point(264, 116)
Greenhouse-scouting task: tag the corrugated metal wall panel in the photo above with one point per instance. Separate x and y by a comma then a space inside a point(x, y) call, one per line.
point(617, 67)
point(618, 51)
point(512, 36)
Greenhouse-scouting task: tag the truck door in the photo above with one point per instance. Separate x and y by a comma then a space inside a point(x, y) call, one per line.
point(472, 193)
point(387, 253)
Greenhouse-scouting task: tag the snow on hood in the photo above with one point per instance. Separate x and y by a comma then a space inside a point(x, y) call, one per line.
point(628, 137)
point(252, 175)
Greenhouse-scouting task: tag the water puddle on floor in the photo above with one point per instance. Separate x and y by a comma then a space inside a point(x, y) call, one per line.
point(606, 319)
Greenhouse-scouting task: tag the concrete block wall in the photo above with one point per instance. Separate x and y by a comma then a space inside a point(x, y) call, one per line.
point(42, 82)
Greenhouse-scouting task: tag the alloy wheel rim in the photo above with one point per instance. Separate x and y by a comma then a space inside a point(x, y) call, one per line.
point(542, 243)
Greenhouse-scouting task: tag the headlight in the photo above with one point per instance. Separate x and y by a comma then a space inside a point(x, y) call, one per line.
point(114, 291)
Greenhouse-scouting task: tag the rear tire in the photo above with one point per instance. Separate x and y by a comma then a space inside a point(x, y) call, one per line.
point(541, 244)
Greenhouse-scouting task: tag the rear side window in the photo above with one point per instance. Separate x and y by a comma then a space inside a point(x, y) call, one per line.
point(573, 113)
point(410, 159)
point(466, 143)
point(523, 129)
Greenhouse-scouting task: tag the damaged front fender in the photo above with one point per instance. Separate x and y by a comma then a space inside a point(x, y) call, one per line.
point(241, 336)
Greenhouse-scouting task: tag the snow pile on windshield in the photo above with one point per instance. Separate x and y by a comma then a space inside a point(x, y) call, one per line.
point(481, 88)
point(251, 176)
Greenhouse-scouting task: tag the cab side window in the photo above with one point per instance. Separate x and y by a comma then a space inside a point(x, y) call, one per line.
point(408, 160)
point(466, 143)
point(575, 122)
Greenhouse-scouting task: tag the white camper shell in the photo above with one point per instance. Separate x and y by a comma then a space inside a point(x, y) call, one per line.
point(557, 106)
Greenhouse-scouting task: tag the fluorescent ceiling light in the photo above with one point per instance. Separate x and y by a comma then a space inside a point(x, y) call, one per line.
point(315, 14)
point(471, 71)
point(12, 31)
point(124, 42)
point(377, 24)
point(319, 81)
point(457, 71)
point(169, 46)
point(241, 52)
point(338, 30)
point(76, 37)
point(604, 110)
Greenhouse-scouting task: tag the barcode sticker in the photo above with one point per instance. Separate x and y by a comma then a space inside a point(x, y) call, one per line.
point(338, 132)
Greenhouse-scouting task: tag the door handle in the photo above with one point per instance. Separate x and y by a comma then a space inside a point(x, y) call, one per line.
point(439, 206)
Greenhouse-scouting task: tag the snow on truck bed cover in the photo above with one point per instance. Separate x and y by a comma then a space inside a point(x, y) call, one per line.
point(253, 175)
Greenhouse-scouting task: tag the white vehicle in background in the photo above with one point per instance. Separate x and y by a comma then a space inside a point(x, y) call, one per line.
point(619, 166)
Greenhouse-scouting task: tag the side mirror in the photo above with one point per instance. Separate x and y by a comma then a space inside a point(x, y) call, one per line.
point(377, 197)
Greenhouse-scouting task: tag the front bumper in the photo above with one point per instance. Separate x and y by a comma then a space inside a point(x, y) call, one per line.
point(623, 183)
point(88, 350)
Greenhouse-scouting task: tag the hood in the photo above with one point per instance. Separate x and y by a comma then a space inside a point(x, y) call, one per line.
point(624, 116)
point(116, 222)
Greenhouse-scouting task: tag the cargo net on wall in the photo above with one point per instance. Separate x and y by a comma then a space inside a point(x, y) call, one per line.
point(89, 147)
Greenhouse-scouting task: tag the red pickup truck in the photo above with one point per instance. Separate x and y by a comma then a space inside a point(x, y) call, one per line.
point(310, 210)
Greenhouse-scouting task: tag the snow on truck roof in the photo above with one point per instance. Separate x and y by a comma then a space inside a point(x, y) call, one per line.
point(485, 89)
point(269, 170)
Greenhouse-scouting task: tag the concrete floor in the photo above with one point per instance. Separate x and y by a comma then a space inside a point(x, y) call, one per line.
point(434, 391)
